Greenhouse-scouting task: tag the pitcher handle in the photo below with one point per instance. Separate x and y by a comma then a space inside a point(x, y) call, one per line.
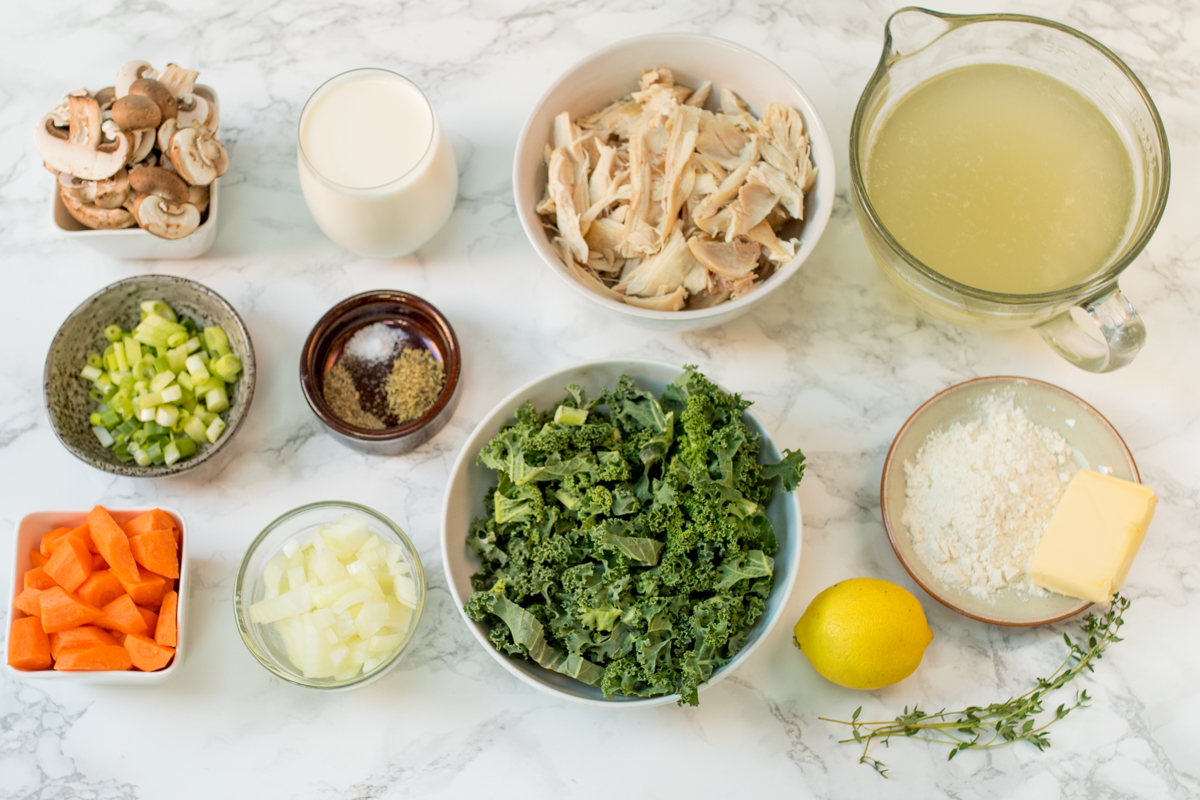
point(1118, 322)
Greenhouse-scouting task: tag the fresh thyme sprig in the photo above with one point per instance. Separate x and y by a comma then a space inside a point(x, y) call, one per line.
point(999, 723)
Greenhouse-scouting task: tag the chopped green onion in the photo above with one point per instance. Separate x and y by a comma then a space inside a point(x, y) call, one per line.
point(103, 435)
point(160, 308)
point(228, 366)
point(166, 415)
point(171, 453)
point(177, 338)
point(196, 368)
point(215, 430)
point(216, 340)
point(113, 333)
point(145, 414)
point(90, 373)
point(172, 394)
point(186, 447)
point(196, 429)
point(149, 400)
point(95, 360)
point(162, 380)
point(216, 400)
point(192, 344)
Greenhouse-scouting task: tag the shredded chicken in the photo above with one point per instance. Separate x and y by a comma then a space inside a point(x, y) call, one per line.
point(675, 198)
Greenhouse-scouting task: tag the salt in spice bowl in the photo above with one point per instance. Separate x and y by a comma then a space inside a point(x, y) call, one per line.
point(407, 322)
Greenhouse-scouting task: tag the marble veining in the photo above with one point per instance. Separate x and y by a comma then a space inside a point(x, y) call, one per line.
point(834, 361)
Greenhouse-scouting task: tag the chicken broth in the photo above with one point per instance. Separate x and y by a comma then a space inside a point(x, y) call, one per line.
point(1002, 178)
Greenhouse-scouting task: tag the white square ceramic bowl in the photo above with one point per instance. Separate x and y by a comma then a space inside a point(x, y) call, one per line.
point(612, 73)
point(135, 242)
point(470, 480)
point(28, 535)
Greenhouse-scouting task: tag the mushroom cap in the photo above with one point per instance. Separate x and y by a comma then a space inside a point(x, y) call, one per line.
point(135, 112)
point(130, 73)
point(165, 132)
point(164, 219)
point(113, 192)
point(92, 216)
point(157, 92)
point(198, 196)
point(143, 145)
point(197, 156)
point(160, 183)
point(79, 190)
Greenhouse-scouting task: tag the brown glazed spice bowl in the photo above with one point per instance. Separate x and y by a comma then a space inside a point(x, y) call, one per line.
point(422, 323)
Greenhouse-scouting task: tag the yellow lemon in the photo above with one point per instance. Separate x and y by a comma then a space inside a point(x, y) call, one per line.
point(864, 633)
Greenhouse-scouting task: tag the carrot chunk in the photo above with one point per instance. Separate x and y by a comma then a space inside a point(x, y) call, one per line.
point(98, 657)
point(38, 579)
point(77, 638)
point(28, 645)
point(147, 654)
point(101, 588)
point(98, 562)
point(62, 610)
point(156, 551)
point(49, 538)
point(36, 558)
point(84, 532)
point(150, 521)
point(122, 615)
point(70, 564)
point(151, 620)
point(147, 590)
point(29, 601)
point(112, 543)
point(167, 632)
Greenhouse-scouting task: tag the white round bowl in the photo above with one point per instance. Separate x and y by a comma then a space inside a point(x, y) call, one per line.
point(613, 73)
point(464, 502)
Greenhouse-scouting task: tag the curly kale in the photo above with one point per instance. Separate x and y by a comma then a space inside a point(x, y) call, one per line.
point(626, 542)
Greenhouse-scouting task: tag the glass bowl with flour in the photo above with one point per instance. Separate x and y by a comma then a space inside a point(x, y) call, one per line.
point(971, 481)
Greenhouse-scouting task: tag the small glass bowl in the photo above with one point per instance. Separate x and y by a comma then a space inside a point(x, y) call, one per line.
point(262, 640)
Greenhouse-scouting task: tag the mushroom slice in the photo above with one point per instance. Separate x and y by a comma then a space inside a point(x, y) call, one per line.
point(165, 132)
point(105, 97)
point(112, 192)
point(157, 93)
point(93, 216)
point(77, 189)
point(161, 183)
point(195, 109)
point(82, 151)
point(198, 157)
point(164, 219)
point(198, 196)
point(181, 82)
point(730, 260)
point(672, 301)
point(143, 144)
point(130, 73)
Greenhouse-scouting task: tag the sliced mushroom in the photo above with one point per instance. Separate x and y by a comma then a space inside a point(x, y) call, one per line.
point(198, 196)
point(195, 109)
point(165, 132)
point(181, 82)
point(143, 144)
point(135, 112)
point(93, 216)
point(164, 219)
point(198, 157)
point(77, 189)
point(105, 97)
point(157, 93)
point(130, 73)
point(160, 183)
point(81, 150)
point(113, 192)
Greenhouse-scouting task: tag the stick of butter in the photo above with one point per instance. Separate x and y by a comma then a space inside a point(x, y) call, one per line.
point(1093, 536)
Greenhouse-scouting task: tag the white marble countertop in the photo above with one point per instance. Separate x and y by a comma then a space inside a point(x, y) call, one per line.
point(834, 361)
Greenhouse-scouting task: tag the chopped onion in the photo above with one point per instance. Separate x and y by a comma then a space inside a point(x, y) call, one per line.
point(342, 602)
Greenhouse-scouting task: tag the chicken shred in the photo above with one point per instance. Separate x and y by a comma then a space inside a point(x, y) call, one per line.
point(674, 198)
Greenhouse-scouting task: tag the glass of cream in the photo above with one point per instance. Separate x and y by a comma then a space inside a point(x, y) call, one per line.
point(376, 167)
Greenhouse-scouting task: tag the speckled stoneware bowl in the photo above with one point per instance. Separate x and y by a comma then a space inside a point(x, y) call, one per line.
point(66, 394)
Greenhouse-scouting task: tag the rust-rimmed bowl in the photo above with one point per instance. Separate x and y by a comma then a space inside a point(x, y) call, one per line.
point(422, 323)
point(1094, 444)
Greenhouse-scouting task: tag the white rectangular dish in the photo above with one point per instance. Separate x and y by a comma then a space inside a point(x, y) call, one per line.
point(28, 535)
point(134, 243)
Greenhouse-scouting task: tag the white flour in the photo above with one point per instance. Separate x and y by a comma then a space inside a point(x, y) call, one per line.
point(980, 495)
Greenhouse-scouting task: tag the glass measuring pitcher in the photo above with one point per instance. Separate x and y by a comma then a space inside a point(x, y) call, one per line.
point(920, 44)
